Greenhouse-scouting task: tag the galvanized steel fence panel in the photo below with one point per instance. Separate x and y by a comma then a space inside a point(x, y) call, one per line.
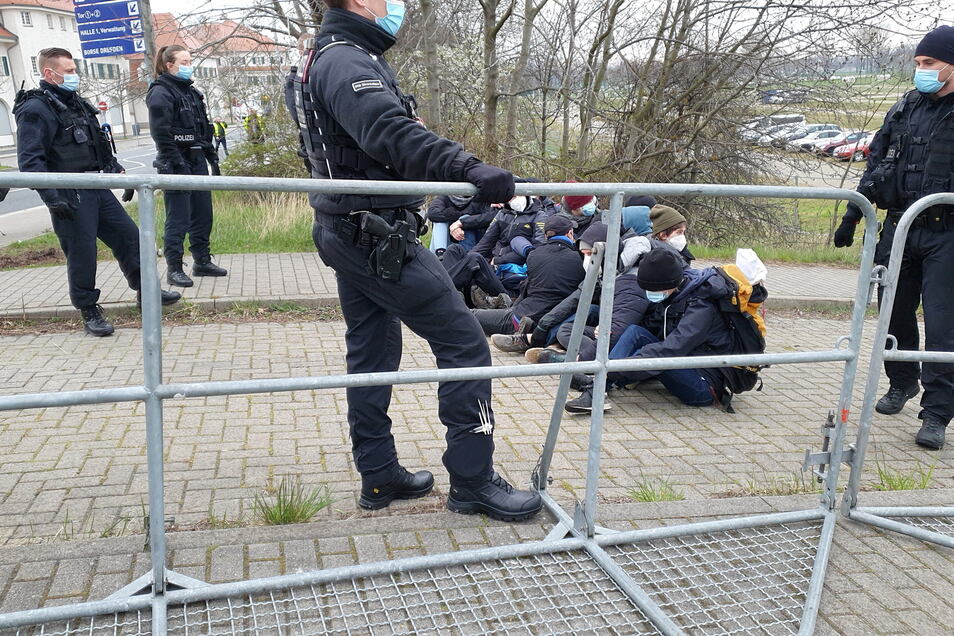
point(667, 580)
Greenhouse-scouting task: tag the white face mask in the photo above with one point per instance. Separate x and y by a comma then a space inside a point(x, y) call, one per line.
point(586, 263)
point(678, 241)
point(518, 204)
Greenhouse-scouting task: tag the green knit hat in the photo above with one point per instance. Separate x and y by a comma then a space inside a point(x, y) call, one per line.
point(665, 217)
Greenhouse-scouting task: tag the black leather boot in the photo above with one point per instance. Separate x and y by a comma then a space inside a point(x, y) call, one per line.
point(175, 275)
point(378, 491)
point(94, 322)
point(894, 400)
point(932, 432)
point(494, 497)
point(167, 297)
point(203, 266)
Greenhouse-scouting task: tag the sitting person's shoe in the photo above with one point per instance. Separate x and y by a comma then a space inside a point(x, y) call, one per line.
point(513, 343)
point(584, 403)
point(544, 355)
point(203, 266)
point(479, 298)
point(397, 483)
point(494, 497)
point(500, 301)
point(894, 400)
point(167, 297)
point(581, 382)
point(932, 432)
point(95, 323)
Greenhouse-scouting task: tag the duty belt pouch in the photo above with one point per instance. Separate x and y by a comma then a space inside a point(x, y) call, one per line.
point(390, 252)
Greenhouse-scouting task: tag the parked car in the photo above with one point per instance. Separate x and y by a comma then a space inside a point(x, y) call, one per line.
point(776, 134)
point(829, 146)
point(807, 143)
point(857, 151)
point(807, 129)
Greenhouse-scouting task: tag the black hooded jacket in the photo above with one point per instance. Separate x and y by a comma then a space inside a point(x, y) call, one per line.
point(508, 225)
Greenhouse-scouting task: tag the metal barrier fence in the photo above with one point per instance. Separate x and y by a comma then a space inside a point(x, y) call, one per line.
point(933, 524)
point(732, 575)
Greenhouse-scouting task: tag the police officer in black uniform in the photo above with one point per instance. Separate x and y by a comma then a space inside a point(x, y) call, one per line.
point(357, 124)
point(180, 127)
point(913, 156)
point(57, 131)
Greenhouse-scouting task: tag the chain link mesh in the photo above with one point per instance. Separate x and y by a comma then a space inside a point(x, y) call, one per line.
point(737, 581)
point(128, 624)
point(941, 525)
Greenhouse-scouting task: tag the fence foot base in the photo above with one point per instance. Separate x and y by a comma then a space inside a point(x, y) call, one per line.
point(144, 585)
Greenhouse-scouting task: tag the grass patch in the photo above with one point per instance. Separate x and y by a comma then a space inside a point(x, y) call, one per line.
point(774, 486)
point(890, 479)
point(819, 255)
point(655, 489)
point(290, 502)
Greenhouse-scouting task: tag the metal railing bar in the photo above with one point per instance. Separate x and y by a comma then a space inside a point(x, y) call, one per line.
point(903, 528)
point(806, 625)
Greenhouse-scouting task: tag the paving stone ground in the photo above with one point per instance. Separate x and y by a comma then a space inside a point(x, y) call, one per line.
point(69, 476)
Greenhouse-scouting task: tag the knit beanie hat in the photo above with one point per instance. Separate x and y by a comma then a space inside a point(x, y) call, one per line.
point(938, 44)
point(665, 217)
point(639, 199)
point(575, 201)
point(660, 269)
point(595, 233)
point(636, 218)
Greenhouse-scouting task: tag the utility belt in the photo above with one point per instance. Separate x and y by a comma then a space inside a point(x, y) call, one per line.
point(936, 218)
point(388, 234)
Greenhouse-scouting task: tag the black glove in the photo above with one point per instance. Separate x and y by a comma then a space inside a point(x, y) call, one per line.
point(214, 169)
point(494, 185)
point(128, 195)
point(61, 210)
point(845, 234)
point(539, 337)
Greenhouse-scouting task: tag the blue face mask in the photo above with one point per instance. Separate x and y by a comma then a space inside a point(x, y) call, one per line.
point(657, 297)
point(589, 209)
point(184, 72)
point(70, 82)
point(392, 21)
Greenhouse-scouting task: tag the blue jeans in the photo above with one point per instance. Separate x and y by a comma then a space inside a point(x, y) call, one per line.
point(688, 385)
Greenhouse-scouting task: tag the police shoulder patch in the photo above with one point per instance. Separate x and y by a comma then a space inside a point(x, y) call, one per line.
point(367, 85)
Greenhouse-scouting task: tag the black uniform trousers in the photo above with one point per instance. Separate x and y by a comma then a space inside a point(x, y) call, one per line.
point(926, 278)
point(100, 216)
point(188, 211)
point(469, 269)
point(425, 300)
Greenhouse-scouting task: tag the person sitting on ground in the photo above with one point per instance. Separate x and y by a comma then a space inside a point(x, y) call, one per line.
point(553, 272)
point(468, 220)
point(581, 208)
point(681, 318)
point(670, 226)
point(516, 229)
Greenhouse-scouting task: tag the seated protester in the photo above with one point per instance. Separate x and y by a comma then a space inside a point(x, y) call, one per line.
point(467, 220)
point(580, 208)
point(549, 206)
point(547, 326)
point(516, 229)
point(670, 227)
point(682, 318)
point(553, 271)
point(475, 278)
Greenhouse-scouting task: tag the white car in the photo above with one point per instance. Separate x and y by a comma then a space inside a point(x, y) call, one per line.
point(773, 135)
point(808, 142)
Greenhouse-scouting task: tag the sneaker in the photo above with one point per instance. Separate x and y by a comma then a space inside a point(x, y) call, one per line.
point(584, 403)
point(894, 400)
point(175, 276)
point(479, 299)
point(516, 343)
point(931, 434)
point(397, 483)
point(500, 301)
point(495, 498)
point(544, 355)
point(95, 323)
point(167, 297)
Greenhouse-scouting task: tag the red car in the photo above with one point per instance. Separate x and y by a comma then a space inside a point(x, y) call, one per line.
point(857, 151)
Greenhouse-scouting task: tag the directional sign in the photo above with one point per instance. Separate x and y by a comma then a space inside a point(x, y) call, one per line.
point(106, 12)
point(86, 3)
point(116, 46)
point(107, 30)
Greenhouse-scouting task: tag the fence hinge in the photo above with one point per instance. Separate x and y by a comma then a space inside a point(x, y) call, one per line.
point(823, 459)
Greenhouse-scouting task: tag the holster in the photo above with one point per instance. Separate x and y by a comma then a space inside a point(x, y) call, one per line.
point(389, 245)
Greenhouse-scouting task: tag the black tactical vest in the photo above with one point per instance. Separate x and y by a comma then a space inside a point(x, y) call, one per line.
point(79, 144)
point(329, 149)
point(920, 155)
point(190, 125)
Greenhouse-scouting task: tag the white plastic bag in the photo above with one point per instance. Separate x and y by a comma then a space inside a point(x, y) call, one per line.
point(751, 265)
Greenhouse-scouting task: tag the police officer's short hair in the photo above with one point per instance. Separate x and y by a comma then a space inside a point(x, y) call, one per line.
point(46, 55)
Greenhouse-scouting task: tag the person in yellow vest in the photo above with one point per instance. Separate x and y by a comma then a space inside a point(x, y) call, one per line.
point(219, 128)
point(253, 127)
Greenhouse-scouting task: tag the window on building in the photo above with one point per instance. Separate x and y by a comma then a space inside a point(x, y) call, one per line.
point(73, 21)
point(6, 66)
point(62, 23)
point(49, 21)
point(36, 71)
point(26, 19)
point(113, 70)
